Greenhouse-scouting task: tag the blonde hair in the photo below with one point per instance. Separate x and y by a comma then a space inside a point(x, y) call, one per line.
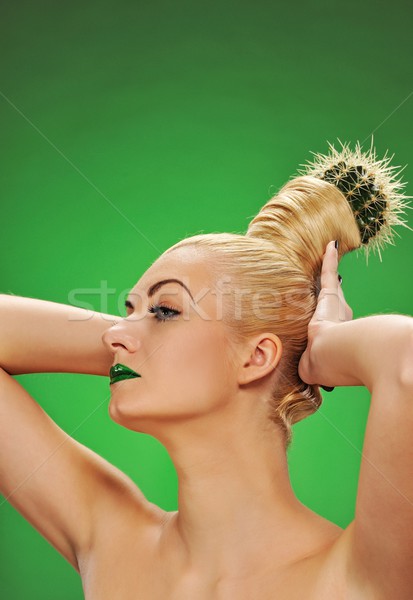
point(278, 263)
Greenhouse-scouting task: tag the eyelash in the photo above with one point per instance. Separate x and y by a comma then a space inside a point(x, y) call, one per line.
point(155, 308)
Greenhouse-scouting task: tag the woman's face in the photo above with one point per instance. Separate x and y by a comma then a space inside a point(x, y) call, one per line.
point(181, 350)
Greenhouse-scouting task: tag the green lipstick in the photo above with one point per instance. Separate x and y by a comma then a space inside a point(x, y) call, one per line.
point(120, 372)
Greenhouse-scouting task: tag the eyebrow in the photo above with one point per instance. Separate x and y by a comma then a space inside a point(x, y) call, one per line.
point(155, 287)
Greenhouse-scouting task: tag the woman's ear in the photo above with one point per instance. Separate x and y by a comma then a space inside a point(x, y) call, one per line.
point(262, 355)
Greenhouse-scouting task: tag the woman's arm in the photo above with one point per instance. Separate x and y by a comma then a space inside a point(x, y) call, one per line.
point(41, 336)
point(364, 352)
point(377, 352)
point(70, 494)
point(343, 352)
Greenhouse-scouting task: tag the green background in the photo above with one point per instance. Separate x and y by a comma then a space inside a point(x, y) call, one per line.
point(127, 126)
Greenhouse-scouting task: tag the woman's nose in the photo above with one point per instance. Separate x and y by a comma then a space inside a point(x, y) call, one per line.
point(116, 337)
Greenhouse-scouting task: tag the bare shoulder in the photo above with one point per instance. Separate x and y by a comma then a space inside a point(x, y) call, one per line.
point(336, 573)
point(121, 560)
point(342, 561)
point(125, 560)
point(124, 514)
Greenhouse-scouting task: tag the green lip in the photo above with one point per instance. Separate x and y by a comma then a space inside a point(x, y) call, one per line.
point(120, 372)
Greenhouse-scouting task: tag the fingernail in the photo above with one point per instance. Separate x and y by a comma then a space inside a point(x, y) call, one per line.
point(340, 279)
point(336, 244)
point(326, 388)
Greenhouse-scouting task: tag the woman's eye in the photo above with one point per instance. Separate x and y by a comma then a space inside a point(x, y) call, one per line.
point(162, 313)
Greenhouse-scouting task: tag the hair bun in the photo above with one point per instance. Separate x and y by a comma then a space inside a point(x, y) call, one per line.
point(370, 186)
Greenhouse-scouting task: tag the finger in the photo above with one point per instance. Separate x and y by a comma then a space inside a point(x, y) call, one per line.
point(345, 314)
point(329, 277)
point(329, 304)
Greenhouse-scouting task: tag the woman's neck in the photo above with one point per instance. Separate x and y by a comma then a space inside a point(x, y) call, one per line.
point(235, 500)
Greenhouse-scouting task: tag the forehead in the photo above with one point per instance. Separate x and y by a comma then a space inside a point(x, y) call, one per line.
point(189, 265)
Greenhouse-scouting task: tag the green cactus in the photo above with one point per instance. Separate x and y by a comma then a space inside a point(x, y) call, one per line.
point(371, 188)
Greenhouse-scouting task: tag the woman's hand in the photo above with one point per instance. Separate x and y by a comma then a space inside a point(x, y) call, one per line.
point(332, 309)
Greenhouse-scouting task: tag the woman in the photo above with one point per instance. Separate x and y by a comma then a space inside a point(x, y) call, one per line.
point(226, 342)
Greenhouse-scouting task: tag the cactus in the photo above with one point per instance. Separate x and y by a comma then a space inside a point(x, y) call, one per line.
point(370, 186)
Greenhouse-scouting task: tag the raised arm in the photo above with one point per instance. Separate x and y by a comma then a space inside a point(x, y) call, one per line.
point(42, 336)
point(367, 351)
point(377, 352)
point(70, 494)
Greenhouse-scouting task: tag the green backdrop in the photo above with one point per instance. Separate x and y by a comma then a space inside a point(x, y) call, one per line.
point(126, 126)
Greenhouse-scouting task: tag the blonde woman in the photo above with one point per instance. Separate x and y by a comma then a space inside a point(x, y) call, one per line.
point(226, 342)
